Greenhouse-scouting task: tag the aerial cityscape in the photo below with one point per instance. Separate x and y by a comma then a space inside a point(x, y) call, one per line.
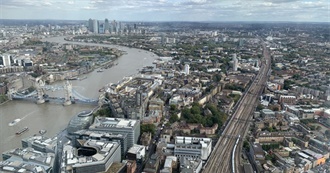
point(191, 86)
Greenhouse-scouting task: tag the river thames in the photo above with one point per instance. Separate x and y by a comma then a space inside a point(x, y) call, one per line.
point(55, 117)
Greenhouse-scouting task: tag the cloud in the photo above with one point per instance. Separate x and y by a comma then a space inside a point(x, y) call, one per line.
point(243, 10)
point(281, 1)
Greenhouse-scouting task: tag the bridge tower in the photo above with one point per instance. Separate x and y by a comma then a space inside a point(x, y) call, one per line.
point(68, 93)
point(39, 84)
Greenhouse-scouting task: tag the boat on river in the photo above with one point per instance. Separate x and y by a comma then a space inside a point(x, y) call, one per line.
point(101, 90)
point(85, 77)
point(14, 122)
point(42, 131)
point(71, 78)
point(22, 131)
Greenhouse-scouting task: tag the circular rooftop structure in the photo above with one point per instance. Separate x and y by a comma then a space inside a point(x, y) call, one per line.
point(80, 121)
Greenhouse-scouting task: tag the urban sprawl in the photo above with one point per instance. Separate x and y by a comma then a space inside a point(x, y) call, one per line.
point(220, 97)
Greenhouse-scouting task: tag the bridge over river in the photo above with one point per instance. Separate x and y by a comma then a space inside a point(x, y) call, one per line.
point(71, 96)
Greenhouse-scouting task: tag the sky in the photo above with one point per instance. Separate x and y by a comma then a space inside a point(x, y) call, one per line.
point(169, 10)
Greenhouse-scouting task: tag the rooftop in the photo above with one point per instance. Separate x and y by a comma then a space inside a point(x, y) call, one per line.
point(103, 122)
point(20, 158)
point(136, 149)
point(42, 141)
point(104, 149)
point(189, 165)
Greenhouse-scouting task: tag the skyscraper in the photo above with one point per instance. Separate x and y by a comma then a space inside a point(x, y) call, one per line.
point(114, 26)
point(119, 27)
point(101, 28)
point(106, 26)
point(90, 25)
point(95, 26)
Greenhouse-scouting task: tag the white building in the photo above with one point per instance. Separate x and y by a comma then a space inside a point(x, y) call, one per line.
point(186, 69)
point(136, 152)
point(192, 147)
point(5, 60)
point(93, 156)
point(118, 126)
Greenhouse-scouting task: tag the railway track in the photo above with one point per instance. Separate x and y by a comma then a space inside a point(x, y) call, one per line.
point(221, 158)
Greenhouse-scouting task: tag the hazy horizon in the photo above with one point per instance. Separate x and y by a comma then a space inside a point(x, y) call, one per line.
point(169, 10)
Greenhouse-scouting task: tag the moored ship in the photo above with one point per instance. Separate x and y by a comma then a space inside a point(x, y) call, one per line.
point(22, 131)
point(43, 131)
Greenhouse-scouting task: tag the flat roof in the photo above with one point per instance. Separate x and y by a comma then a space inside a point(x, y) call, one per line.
point(135, 149)
point(106, 149)
point(114, 123)
point(313, 154)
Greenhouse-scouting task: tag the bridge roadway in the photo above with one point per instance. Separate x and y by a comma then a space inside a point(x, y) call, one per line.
point(57, 100)
point(78, 98)
point(220, 159)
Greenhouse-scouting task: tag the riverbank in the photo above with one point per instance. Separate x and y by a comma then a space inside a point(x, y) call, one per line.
point(55, 117)
point(2, 103)
point(3, 99)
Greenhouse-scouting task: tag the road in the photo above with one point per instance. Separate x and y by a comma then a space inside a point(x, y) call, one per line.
point(238, 125)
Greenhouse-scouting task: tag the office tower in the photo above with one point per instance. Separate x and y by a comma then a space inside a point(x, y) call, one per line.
point(106, 26)
point(101, 28)
point(90, 25)
point(95, 26)
point(128, 127)
point(114, 26)
point(119, 27)
point(235, 62)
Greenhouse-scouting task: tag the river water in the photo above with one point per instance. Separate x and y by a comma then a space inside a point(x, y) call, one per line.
point(55, 117)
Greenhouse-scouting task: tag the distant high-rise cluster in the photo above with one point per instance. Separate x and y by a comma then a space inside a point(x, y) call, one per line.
point(110, 27)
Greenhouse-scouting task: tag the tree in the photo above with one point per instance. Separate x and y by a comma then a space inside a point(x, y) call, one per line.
point(246, 145)
point(195, 109)
point(173, 108)
point(296, 76)
point(216, 77)
point(173, 118)
point(287, 84)
point(276, 109)
point(186, 114)
point(151, 128)
point(260, 107)
point(270, 146)
point(3, 98)
point(104, 111)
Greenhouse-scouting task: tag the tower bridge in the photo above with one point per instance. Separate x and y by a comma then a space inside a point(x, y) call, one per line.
point(39, 96)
